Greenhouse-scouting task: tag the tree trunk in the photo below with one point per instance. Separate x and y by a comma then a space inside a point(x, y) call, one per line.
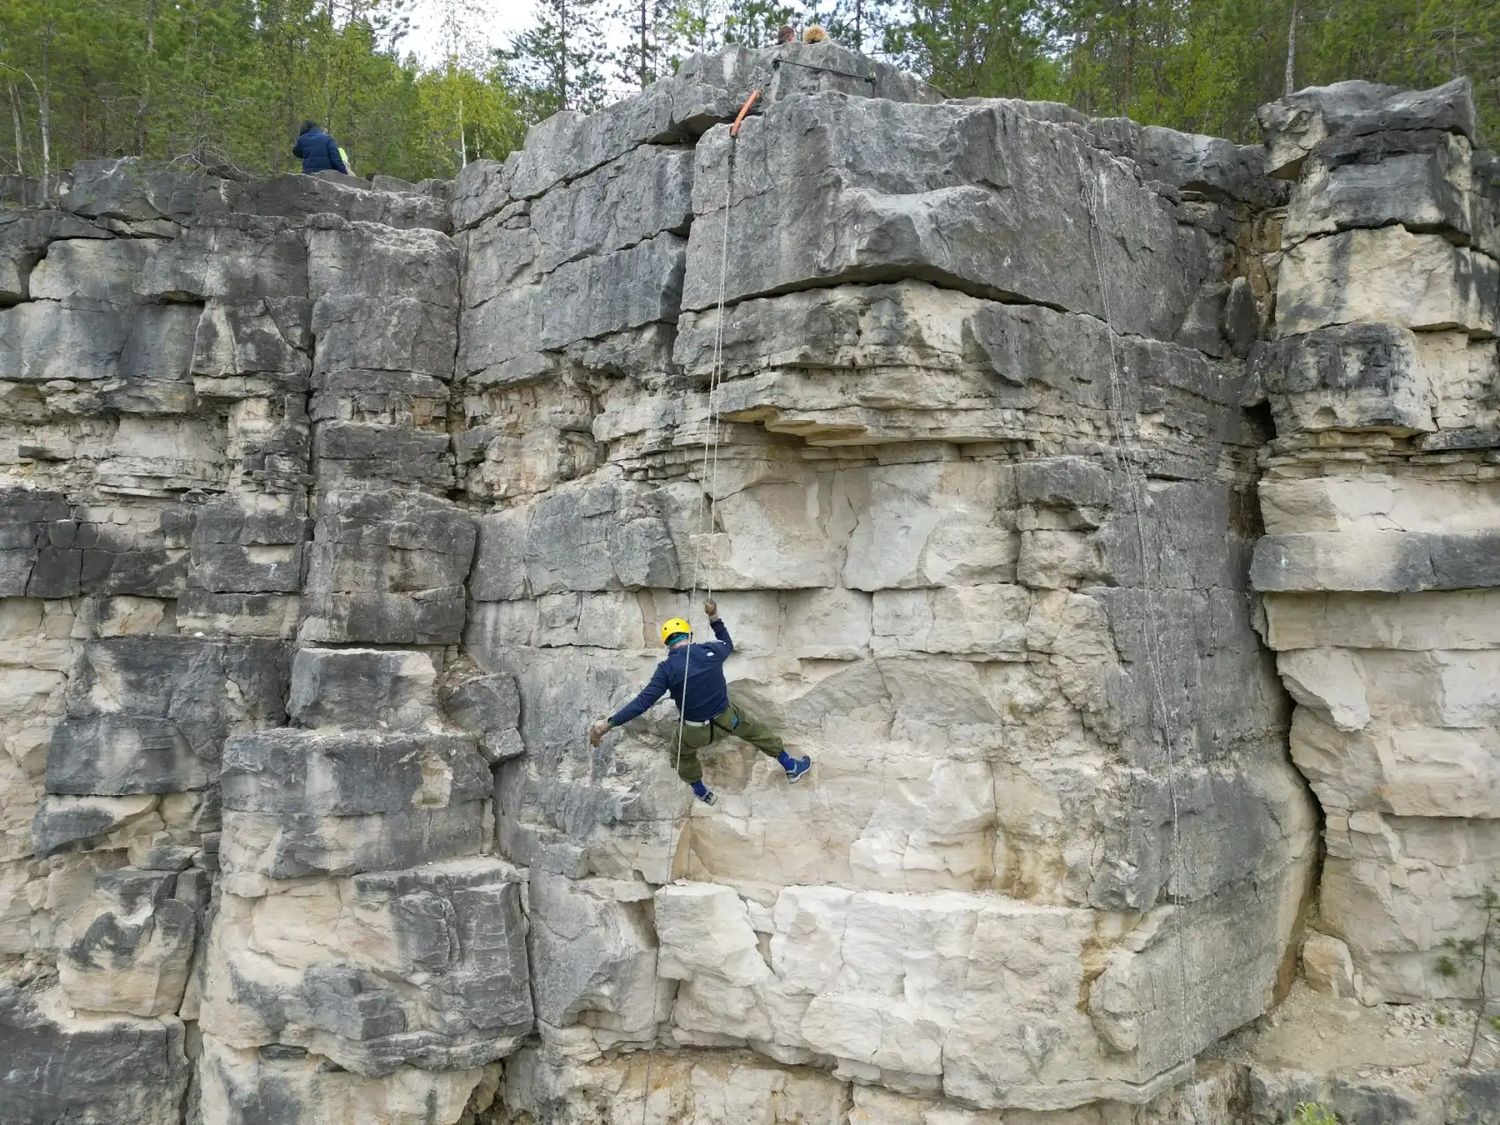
point(645, 49)
point(15, 120)
point(44, 109)
point(463, 139)
point(562, 55)
point(143, 103)
point(1291, 53)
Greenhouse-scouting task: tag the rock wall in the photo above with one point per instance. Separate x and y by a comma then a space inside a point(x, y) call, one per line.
point(1380, 563)
point(334, 512)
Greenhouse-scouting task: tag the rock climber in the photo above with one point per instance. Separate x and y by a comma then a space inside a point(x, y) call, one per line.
point(815, 34)
point(787, 34)
point(319, 151)
point(693, 674)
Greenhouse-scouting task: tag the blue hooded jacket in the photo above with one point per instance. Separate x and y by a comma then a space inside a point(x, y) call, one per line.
point(702, 666)
point(319, 153)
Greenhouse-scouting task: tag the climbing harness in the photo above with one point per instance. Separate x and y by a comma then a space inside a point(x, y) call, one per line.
point(778, 62)
point(1150, 635)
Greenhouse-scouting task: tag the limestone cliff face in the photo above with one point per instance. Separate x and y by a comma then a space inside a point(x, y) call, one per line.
point(333, 514)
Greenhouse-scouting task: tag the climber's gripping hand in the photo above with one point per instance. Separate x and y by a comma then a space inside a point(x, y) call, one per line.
point(711, 608)
point(597, 732)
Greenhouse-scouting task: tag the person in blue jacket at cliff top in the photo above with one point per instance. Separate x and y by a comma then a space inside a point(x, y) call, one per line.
point(693, 675)
point(318, 151)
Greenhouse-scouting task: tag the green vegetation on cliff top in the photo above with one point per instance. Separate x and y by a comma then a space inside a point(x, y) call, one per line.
point(230, 79)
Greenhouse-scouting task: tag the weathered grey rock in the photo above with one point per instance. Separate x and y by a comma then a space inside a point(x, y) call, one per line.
point(63, 823)
point(1208, 166)
point(134, 189)
point(1365, 276)
point(380, 397)
point(480, 189)
point(387, 568)
point(595, 536)
point(593, 956)
point(150, 714)
point(265, 343)
point(45, 340)
point(629, 288)
point(24, 238)
point(240, 258)
point(885, 191)
point(1346, 377)
point(292, 845)
point(350, 455)
point(488, 706)
point(644, 193)
point(1474, 1097)
point(60, 1067)
point(1420, 180)
point(301, 197)
point(235, 551)
point(394, 334)
point(300, 802)
point(707, 89)
point(1392, 562)
point(350, 773)
point(283, 1084)
point(1295, 125)
point(363, 688)
point(129, 948)
point(433, 971)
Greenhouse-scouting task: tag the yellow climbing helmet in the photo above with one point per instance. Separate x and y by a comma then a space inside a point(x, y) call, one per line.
point(673, 627)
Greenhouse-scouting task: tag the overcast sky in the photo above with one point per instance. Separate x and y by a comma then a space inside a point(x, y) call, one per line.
point(497, 21)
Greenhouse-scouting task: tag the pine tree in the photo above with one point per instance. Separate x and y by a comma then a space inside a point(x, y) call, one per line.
point(556, 61)
point(859, 24)
point(754, 23)
point(645, 33)
point(971, 47)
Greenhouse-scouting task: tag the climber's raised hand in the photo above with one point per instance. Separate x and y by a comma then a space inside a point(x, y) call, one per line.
point(597, 732)
point(711, 608)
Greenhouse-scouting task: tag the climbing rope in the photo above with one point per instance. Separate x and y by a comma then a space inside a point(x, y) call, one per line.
point(709, 478)
point(777, 63)
point(1150, 635)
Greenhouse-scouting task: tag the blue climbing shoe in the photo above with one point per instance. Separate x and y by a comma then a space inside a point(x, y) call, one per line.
point(704, 793)
point(797, 769)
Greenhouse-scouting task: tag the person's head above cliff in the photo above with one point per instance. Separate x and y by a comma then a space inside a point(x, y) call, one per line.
point(787, 34)
point(307, 127)
point(815, 34)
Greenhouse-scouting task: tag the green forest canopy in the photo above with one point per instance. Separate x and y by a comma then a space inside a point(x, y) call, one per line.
point(228, 80)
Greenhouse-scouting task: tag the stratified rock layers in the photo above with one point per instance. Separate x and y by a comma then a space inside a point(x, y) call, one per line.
point(333, 516)
point(1381, 564)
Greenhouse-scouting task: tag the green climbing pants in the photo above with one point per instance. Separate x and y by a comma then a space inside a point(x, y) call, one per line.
point(732, 721)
